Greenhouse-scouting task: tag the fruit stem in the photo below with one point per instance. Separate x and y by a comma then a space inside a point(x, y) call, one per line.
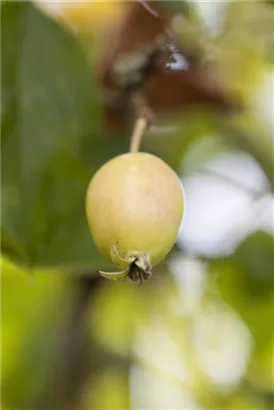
point(140, 127)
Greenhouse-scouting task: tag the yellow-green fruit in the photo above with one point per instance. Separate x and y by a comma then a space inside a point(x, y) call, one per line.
point(135, 202)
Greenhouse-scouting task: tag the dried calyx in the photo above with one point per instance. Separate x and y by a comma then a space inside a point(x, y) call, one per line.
point(135, 265)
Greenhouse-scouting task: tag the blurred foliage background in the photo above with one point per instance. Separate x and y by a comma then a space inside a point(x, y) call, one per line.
point(199, 335)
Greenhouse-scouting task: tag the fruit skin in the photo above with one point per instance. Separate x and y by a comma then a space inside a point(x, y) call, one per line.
point(135, 202)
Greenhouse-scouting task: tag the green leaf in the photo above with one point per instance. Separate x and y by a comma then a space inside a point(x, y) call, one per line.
point(31, 324)
point(255, 257)
point(51, 141)
point(246, 282)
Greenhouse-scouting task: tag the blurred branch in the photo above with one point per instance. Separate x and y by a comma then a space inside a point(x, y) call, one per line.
point(77, 359)
point(72, 361)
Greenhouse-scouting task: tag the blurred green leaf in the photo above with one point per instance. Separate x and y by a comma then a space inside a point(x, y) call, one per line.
point(246, 282)
point(255, 258)
point(11, 247)
point(245, 43)
point(33, 311)
point(51, 141)
point(261, 371)
point(109, 392)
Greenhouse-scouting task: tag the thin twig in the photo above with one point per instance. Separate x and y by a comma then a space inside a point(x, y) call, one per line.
point(148, 8)
point(254, 193)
